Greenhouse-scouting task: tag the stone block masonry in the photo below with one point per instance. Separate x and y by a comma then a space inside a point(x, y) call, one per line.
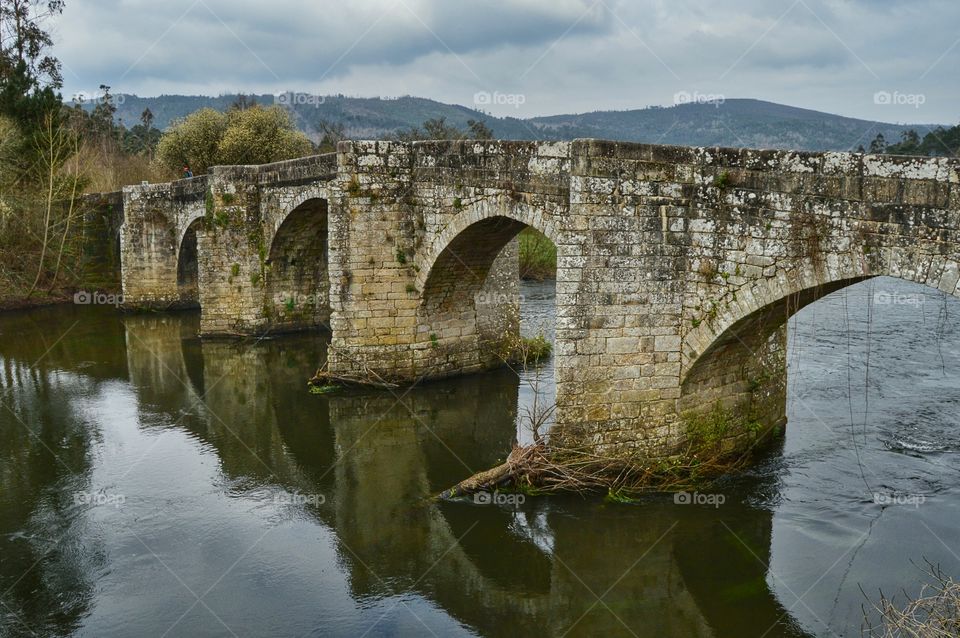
point(678, 267)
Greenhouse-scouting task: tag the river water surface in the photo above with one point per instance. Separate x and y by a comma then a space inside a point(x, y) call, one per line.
point(155, 485)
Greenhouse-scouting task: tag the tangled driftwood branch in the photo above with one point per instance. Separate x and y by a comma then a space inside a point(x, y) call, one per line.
point(544, 468)
point(326, 379)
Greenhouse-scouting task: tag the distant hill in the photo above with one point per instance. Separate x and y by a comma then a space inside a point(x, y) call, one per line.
point(735, 123)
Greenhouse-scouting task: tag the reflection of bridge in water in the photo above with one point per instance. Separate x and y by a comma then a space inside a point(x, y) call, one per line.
point(656, 568)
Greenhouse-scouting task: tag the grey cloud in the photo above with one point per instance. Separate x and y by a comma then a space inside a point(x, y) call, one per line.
point(826, 54)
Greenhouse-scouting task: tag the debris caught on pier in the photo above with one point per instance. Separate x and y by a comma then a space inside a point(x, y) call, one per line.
point(325, 381)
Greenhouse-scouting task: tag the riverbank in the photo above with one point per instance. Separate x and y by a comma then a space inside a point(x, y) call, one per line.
point(15, 303)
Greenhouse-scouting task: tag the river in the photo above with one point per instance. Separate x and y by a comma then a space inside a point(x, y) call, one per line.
point(153, 484)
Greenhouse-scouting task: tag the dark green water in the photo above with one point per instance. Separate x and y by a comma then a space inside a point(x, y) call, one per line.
point(155, 485)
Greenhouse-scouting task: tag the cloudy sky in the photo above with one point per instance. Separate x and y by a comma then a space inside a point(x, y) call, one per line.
point(890, 60)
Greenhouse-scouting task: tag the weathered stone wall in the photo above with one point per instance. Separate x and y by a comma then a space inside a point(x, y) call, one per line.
point(684, 264)
point(425, 282)
point(156, 218)
point(206, 241)
point(678, 267)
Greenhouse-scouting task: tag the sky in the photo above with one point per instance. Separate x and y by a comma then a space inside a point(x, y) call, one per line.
point(887, 60)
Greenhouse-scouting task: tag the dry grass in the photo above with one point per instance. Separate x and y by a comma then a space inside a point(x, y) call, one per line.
point(108, 169)
point(935, 613)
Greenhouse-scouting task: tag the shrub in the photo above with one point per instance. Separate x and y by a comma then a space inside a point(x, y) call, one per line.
point(255, 135)
point(538, 256)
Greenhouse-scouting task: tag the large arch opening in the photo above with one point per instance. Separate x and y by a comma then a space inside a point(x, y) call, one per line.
point(188, 268)
point(297, 275)
point(741, 379)
point(489, 301)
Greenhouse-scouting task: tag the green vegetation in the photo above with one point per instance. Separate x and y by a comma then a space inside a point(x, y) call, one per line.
point(50, 155)
point(525, 351)
point(538, 256)
point(353, 187)
point(537, 348)
point(242, 135)
point(710, 428)
point(723, 180)
point(438, 129)
point(939, 142)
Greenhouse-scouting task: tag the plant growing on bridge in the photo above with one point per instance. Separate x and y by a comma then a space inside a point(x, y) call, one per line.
point(723, 179)
point(353, 187)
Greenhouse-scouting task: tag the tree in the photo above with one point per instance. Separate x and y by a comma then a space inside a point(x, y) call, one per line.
point(478, 130)
point(29, 77)
point(193, 141)
point(101, 118)
point(254, 135)
point(259, 135)
point(879, 144)
point(438, 129)
point(242, 103)
point(939, 142)
point(332, 135)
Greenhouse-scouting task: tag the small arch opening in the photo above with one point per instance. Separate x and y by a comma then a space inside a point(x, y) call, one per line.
point(297, 279)
point(188, 268)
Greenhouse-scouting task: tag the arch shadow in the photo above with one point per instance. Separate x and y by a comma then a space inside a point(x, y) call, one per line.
point(297, 285)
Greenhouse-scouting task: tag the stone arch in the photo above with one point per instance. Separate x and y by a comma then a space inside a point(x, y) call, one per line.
point(297, 285)
point(790, 291)
point(501, 206)
point(469, 285)
point(279, 205)
point(188, 265)
point(737, 358)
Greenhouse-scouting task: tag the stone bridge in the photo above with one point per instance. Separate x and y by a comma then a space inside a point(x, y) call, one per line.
point(678, 267)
